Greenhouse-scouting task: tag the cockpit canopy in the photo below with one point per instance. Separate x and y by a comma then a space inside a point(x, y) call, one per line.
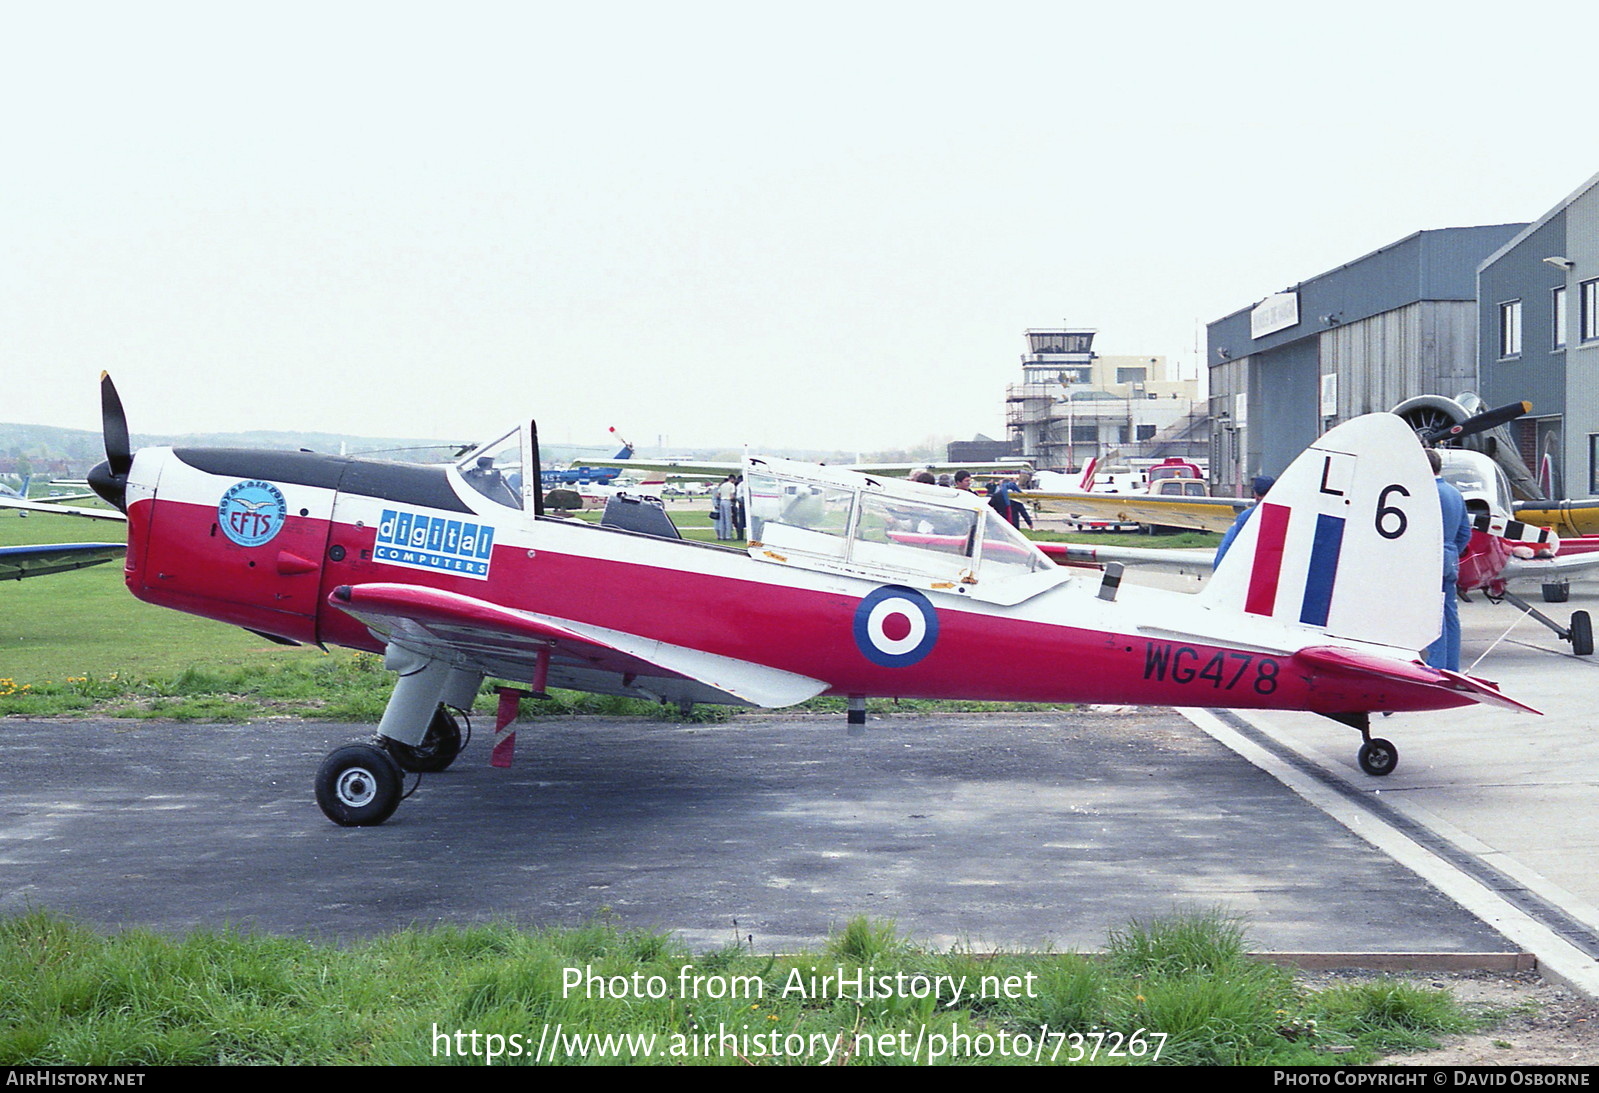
point(1479, 479)
point(495, 469)
point(890, 529)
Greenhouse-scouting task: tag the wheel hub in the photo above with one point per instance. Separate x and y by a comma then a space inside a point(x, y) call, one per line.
point(356, 787)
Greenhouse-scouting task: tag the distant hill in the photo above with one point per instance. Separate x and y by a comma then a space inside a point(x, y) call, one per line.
point(52, 452)
point(69, 453)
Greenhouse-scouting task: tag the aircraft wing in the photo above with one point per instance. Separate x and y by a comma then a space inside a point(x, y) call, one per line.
point(1563, 565)
point(506, 642)
point(1183, 561)
point(1201, 513)
point(1566, 517)
point(694, 468)
point(902, 469)
point(17, 562)
point(69, 510)
point(670, 468)
point(64, 499)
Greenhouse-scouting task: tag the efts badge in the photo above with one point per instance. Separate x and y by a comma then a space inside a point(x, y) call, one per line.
point(252, 512)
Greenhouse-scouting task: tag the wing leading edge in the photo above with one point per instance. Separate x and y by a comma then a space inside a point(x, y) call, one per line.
point(1199, 513)
point(17, 562)
point(507, 642)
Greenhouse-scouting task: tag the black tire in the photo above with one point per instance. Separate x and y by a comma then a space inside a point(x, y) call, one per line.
point(359, 786)
point(437, 750)
point(1581, 634)
point(1556, 591)
point(1378, 757)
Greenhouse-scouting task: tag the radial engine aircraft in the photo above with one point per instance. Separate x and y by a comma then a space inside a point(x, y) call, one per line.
point(851, 585)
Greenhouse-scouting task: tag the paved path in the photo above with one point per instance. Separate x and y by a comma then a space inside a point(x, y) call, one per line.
point(1002, 830)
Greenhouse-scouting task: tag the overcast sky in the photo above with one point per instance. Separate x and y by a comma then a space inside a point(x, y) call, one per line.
point(781, 224)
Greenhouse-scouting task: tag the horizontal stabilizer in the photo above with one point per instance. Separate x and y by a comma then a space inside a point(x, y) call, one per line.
point(1407, 675)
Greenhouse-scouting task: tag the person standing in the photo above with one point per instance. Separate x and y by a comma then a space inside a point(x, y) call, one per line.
point(738, 506)
point(1260, 485)
point(722, 508)
point(1445, 652)
point(1007, 506)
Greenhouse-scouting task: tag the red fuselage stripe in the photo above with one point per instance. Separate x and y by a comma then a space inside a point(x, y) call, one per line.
point(979, 653)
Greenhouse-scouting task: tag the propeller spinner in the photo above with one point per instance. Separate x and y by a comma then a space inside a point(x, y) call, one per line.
point(110, 479)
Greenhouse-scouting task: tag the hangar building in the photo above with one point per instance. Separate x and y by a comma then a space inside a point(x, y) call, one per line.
point(1538, 313)
point(1398, 322)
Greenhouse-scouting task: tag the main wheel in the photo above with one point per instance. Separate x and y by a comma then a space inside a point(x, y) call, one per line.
point(1556, 591)
point(437, 750)
point(358, 786)
point(1378, 757)
point(1581, 634)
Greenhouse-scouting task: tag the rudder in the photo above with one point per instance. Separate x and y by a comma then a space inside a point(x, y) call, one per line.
point(1349, 541)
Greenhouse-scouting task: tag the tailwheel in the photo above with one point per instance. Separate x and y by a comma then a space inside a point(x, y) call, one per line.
point(1378, 757)
point(437, 750)
point(359, 785)
point(1581, 634)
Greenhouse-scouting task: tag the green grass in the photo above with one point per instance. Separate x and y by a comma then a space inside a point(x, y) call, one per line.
point(70, 995)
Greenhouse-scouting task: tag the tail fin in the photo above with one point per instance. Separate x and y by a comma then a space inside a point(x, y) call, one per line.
point(1348, 542)
point(627, 449)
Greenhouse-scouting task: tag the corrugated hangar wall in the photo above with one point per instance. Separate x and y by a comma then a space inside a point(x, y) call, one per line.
point(1423, 348)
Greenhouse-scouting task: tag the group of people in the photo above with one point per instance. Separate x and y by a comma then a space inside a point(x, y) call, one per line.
point(727, 508)
point(999, 494)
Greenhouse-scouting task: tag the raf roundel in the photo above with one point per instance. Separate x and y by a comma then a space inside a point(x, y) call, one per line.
point(252, 513)
point(895, 627)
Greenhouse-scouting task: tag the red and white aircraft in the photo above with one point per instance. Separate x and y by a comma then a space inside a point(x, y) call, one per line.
point(851, 585)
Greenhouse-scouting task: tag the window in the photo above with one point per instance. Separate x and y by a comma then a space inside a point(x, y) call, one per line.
point(799, 516)
point(1558, 315)
point(495, 470)
point(1590, 310)
point(928, 539)
point(1510, 329)
point(1006, 551)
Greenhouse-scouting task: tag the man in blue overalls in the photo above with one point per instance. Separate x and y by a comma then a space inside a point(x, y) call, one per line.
point(1260, 485)
point(1445, 652)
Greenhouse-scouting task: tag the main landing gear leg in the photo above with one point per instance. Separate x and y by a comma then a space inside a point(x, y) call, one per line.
point(444, 739)
point(1580, 633)
point(1377, 757)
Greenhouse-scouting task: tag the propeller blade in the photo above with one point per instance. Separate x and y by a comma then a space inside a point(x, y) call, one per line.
point(1488, 419)
point(114, 424)
point(110, 479)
